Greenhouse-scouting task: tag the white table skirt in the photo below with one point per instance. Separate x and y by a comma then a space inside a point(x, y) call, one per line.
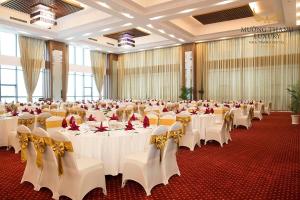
point(110, 147)
point(7, 124)
point(201, 122)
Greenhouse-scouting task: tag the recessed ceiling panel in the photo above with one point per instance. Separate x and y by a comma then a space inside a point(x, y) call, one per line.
point(61, 8)
point(225, 15)
point(148, 3)
point(134, 32)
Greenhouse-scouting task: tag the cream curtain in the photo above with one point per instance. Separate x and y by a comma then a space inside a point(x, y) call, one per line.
point(239, 68)
point(32, 60)
point(98, 63)
point(150, 74)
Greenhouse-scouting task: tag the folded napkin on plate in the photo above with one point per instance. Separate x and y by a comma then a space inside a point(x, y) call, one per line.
point(8, 110)
point(117, 106)
point(165, 109)
point(97, 107)
point(25, 110)
point(31, 112)
point(72, 119)
point(209, 110)
point(91, 118)
point(183, 109)
point(157, 103)
point(194, 112)
point(101, 128)
point(216, 105)
point(177, 111)
point(114, 117)
point(38, 111)
point(14, 113)
point(133, 118)
point(73, 126)
point(237, 105)
point(129, 126)
point(226, 105)
point(146, 122)
point(64, 123)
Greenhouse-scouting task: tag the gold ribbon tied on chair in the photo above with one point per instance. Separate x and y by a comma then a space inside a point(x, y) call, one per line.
point(120, 113)
point(176, 135)
point(59, 148)
point(159, 141)
point(42, 122)
point(26, 122)
point(127, 113)
point(24, 139)
point(185, 120)
point(40, 144)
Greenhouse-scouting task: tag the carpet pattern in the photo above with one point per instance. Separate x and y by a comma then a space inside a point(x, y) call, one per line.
point(260, 163)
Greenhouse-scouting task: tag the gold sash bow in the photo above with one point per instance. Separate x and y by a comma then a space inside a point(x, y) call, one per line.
point(24, 139)
point(184, 120)
point(59, 149)
point(159, 141)
point(26, 122)
point(42, 122)
point(176, 135)
point(40, 144)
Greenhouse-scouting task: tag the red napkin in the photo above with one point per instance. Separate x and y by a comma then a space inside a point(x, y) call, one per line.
point(226, 105)
point(117, 106)
point(14, 113)
point(207, 111)
point(21, 104)
point(91, 118)
point(146, 122)
point(133, 118)
point(38, 110)
point(8, 110)
point(85, 107)
point(25, 110)
point(129, 126)
point(73, 126)
point(165, 109)
point(97, 108)
point(157, 104)
point(31, 112)
point(64, 123)
point(72, 119)
point(194, 112)
point(114, 117)
point(212, 111)
point(183, 109)
point(216, 105)
point(177, 111)
point(101, 128)
point(237, 105)
point(162, 103)
point(150, 104)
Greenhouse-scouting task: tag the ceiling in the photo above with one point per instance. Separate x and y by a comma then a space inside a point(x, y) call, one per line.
point(168, 22)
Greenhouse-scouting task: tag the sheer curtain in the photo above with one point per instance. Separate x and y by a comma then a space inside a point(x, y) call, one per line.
point(32, 60)
point(98, 63)
point(150, 74)
point(237, 69)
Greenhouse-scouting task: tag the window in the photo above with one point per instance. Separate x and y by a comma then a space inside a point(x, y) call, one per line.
point(79, 56)
point(8, 43)
point(86, 58)
point(71, 54)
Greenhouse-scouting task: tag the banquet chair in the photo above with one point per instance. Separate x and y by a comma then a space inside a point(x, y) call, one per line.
point(191, 136)
point(257, 114)
point(78, 119)
point(167, 120)
point(49, 176)
point(145, 167)
point(53, 123)
point(32, 172)
point(167, 113)
point(169, 162)
point(268, 108)
point(58, 112)
point(78, 176)
point(219, 133)
point(153, 118)
point(41, 119)
point(13, 140)
point(241, 119)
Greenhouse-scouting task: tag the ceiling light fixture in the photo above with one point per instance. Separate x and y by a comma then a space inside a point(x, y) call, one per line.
point(181, 40)
point(128, 15)
point(157, 17)
point(162, 31)
point(46, 37)
point(106, 29)
point(105, 5)
point(298, 5)
point(42, 15)
point(298, 22)
point(298, 14)
point(187, 11)
point(126, 41)
point(224, 2)
point(24, 32)
point(144, 30)
point(70, 38)
point(150, 25)
point(127, 24)
point(172, 36)
point(87, 34)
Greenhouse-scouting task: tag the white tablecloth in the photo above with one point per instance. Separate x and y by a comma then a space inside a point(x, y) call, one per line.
point(7, 124)
point(201, 122)
point(110, 147)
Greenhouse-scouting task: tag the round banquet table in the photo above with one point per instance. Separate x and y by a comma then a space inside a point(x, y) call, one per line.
point(7, 124)
point(201, 122)
point(111, 147)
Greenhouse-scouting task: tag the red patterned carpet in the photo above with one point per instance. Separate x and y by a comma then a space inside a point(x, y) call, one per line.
point(261, 163)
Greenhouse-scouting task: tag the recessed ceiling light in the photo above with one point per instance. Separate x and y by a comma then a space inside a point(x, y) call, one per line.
point(150, 25)
point(127, 24)
point(224, 38)
point(86, 34)
point(177, 44)
point(187, 10)
point(128, 15)
point(109, 51)
point(105, 5)
point(181, 40)
point(172, 36)
point(298, 14)
point(46, 37)
point(199, 41)
point(70, 38)
point(106, 29)
point(144, 30)
point(224, 2)
point(298, 5)
point(162, 31)
point(298, 22)
point(157, 17)
point(24, 32)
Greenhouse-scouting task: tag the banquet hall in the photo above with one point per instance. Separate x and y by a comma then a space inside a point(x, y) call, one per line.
point(149, 99)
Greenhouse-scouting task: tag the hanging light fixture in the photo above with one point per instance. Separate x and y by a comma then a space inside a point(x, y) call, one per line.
point(126, 41)
point(42, 15)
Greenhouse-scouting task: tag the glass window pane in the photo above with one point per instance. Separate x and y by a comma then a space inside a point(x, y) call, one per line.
point(87, 58)
point(87, 81)
point(79, 85)
point(95, 90)
point(8, 76)
point(71, 88)
point(8, 90)
point(71, 54)
point(21, 85)
point(22, 99)
point(8, 44)
point(38, 92)
point(72, 99)
point(87, 92)
point(18, 47)
point(8, 99)
point(79, 56)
